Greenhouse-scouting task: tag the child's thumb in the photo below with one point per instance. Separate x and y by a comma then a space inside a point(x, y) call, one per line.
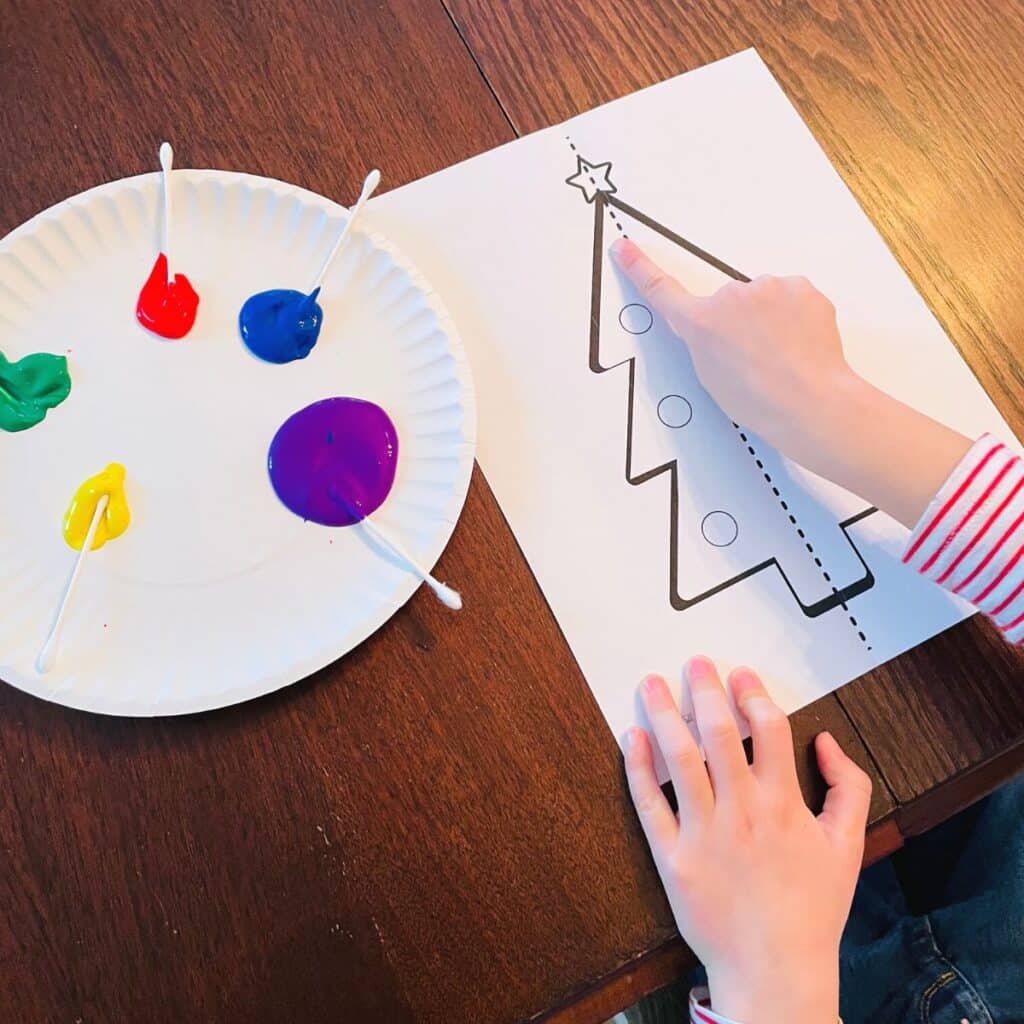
point(845, 813)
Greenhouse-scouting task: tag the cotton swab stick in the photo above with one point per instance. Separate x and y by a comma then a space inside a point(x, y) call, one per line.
point(167, 304)
point(371, 182)
point(47, 657)
point(445, 594)
point(166, 162)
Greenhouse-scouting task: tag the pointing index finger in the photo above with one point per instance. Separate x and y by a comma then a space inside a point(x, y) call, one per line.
point(662, 290)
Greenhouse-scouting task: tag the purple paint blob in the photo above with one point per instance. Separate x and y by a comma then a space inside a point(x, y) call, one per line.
point(334, 462)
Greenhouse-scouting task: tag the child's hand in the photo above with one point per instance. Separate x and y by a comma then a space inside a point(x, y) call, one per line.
point(770, 354)
point(760, 887)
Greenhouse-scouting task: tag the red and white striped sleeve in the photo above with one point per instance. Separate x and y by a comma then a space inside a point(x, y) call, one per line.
point(701, 1012)
point(700, 1009)
point(971, 537)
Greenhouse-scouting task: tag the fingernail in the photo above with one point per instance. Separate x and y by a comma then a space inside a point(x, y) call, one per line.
point(632, 738)
point(650, 684)
point(744, 682)
point(699, 669)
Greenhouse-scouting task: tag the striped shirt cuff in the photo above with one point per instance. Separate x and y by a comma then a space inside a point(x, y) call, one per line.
point(701, 1012)
point(971, 537)
point(700, 1009)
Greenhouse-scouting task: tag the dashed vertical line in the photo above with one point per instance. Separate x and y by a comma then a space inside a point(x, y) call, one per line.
point(803, 537)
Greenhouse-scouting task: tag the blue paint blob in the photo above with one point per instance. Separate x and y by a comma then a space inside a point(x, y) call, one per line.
point(334, 461)
point(281, 325)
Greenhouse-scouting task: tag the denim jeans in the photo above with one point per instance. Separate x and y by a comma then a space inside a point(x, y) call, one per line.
point(936, 934)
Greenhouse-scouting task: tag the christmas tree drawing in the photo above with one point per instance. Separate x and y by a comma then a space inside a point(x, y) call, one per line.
point(734, 511)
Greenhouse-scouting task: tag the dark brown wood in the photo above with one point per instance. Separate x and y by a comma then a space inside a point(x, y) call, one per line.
point(624, 987)
point(962, 694)
point(961, 791)
point(883, 838)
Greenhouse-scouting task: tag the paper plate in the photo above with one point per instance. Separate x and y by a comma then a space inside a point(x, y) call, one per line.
point(216, 593)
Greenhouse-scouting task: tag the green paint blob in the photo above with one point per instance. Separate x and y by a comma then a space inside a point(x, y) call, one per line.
point(30, 387)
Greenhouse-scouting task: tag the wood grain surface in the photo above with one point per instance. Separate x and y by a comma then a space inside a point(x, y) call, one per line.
point(436, 827)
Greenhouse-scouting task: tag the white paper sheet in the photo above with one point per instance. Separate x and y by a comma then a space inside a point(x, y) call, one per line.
point(656, 528)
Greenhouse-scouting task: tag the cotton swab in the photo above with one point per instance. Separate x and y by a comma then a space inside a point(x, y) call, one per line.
point(166, 162)
point(167, 304)
point(333, 463)
point(445, 594)
point(369, 185)
point(280, 325)
point(47, 657)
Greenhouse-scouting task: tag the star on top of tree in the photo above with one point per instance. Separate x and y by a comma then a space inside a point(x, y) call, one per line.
point(592, 178)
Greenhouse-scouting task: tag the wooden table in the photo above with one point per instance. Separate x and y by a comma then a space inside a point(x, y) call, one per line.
point(436, 828)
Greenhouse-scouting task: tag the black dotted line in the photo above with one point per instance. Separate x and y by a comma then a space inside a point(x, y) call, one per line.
point(608, 207)
point(800, 532)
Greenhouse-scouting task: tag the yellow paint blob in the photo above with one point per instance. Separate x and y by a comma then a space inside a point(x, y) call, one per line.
point(115, 518)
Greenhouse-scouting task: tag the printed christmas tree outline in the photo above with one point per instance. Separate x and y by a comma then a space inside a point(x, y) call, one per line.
point(594, 181)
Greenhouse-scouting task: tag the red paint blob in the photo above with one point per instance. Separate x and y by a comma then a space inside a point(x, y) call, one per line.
point(167, 308)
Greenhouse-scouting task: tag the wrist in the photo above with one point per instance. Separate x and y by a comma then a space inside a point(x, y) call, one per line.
point(807, 993)
point(841, 449)
point(893, 456)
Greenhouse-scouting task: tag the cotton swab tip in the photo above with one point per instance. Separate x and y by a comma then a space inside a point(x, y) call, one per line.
point(369, 184)
point(166, 156)
point(448, 597)
point(46, 659)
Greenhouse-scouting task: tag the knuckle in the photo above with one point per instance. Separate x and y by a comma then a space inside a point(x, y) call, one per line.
point(681, 870)
point(863, 781)
point(700, 314)
point(859, 782)
point(645, 802)
point(718, 731)
point(766, 284)
point(804, 287)
point(781, 809)
point(683, 755)
point(856, 777)
point(742, 823)
point(771, 717)
point(655, 283)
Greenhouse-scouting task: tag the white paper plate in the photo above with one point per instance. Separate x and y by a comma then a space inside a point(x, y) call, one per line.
point(216, 593)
